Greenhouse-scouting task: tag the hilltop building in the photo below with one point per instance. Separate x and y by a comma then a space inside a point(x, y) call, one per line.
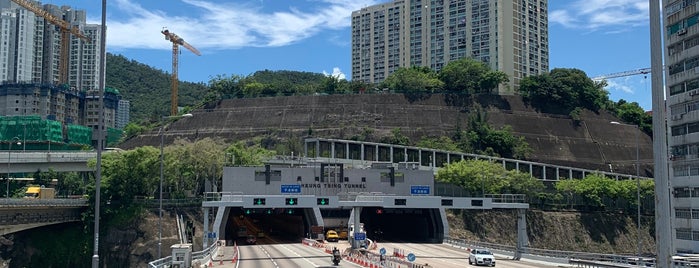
point(682, 80)
point(432, 33)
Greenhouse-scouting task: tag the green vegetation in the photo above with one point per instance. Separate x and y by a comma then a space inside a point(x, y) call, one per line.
point(148, 89)
point(593, 193)
point(483, 177)
point(562, 90)
point(470, 76)
point(413, 79)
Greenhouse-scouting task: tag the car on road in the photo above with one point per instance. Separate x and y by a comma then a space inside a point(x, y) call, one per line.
point(251, 240)
point(479, 256)
point(343, 235)
point(332, 236)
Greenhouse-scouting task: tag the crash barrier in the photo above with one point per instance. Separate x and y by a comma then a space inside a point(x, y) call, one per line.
point(366, 258)
point(565, 257)
point(221, 259)
point(198, 256)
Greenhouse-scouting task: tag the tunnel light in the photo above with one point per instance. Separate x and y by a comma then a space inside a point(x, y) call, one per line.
point(322, 201)
point(292, 201)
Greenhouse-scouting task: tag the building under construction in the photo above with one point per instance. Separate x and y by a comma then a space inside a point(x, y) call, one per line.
point(46, 117)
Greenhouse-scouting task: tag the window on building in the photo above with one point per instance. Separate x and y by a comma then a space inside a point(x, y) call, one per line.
point(683, 213)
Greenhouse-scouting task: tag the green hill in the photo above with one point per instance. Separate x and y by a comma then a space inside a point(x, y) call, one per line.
point(148, 89)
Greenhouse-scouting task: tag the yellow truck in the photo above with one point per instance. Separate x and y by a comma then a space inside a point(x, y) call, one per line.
point(36, 192)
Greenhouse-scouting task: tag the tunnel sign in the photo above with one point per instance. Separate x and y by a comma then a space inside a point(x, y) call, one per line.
point(291, 189)
point(419, 189)
point(359, 236)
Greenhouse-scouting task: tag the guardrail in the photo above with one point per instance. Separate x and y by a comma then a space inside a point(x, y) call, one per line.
point(578, 259)
point(199, 255)
point(59, 202)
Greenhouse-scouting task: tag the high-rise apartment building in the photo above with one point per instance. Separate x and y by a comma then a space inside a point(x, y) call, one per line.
point(508, 35)
point(681, 34)
point(30, 55)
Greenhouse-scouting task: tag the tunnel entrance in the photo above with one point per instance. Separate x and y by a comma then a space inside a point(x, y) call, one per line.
point(403, 225)
point(268, 226)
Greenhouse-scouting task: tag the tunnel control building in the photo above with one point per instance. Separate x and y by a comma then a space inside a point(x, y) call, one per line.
point(385, 187)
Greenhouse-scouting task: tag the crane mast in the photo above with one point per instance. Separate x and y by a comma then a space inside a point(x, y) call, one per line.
point(176, 43)
point(66, 30)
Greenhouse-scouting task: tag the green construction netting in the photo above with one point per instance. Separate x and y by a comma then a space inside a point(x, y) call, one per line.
point(34, 133)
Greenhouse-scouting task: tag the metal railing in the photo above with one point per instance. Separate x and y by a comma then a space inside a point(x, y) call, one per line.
point(59, 202)
point(578, 259)
point(199, 255)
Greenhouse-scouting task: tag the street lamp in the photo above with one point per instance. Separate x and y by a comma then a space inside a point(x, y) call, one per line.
point(100, 131)
point(638, 192)
point(9, 151)
point(160, 199)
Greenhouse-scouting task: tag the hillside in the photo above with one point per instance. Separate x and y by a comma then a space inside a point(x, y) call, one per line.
point(148, 89)
point(591, 142)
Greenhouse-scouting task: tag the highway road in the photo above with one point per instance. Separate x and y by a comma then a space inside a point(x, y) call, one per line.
point(299, 255)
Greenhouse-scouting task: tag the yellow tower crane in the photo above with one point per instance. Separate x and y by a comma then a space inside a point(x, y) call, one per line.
point(176, 42)
point(66, 29)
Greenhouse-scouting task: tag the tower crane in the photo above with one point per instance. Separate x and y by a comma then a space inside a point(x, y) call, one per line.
point(66, 29)
point(176, 42)
point(621, 74)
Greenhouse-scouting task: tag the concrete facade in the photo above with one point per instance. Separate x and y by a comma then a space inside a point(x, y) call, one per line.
point(508, 35)
point(30, 52)
point(332, 181)
point(682, 81)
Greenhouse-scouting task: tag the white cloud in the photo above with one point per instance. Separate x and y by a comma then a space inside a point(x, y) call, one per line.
point(623, 87)
point(336, 73)
point(227, 25)
point(602, 14)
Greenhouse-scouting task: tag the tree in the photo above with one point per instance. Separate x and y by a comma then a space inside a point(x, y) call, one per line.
point(129, 174)
point(484, 139)
point(413, 79)
point(248, 155)
point(470, 76)
point(593, 188)
point(562, 90)
point(477, 176)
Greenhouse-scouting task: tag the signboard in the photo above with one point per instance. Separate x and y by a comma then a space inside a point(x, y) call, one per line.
point(419, 189)
point(411, 257)
point(290, 189)
point(359, 236)
point(316, 229)
point(382, 251)
point(211, 235)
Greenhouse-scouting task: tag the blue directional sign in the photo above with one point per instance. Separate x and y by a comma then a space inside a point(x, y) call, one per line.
point(382, 251)
point(411, 257)
point(419, 189)
point(212, 235)
point(291, 189)
point(359, 236)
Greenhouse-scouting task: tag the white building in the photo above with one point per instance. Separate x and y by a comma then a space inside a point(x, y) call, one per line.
point(682, 80)
point(30, 47)
point(405, 33)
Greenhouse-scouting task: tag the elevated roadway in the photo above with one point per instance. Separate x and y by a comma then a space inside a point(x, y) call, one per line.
point(359, 153)
point(22, 214)
point(59, 161)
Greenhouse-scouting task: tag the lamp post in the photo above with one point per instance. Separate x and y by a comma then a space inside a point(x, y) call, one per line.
point(160, 198)
point(100, 131)
point(9, 152)
point(638, 192)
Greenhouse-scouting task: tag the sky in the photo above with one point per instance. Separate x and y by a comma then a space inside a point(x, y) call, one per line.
point(239, 37)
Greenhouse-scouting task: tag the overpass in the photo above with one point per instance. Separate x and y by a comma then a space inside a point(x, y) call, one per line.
point(22, 214)
point(32, 161)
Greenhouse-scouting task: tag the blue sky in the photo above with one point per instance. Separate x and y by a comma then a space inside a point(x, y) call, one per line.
point(243, 36)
